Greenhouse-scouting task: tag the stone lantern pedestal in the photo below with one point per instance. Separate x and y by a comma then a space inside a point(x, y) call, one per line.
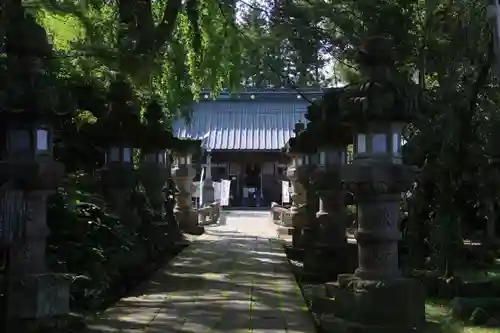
point(298, 175)
point(326, 253)
point(310, 231)
point(376, 298)
point(153, 177)
point(210, 209)
point(208, 191)
point(35, 292)
point(208, 185)
point(186, 217)
point(118, 181)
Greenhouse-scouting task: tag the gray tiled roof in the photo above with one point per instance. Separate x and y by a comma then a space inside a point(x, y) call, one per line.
point(262, 122)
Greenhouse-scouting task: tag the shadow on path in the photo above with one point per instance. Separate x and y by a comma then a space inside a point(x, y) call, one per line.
point(226, 281)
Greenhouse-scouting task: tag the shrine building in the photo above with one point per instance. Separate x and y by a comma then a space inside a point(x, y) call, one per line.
point(243, 134)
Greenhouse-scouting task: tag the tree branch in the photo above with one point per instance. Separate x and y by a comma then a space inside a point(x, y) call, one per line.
point(163, 32)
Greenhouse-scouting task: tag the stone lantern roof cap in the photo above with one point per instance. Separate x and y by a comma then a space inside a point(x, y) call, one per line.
point(27, 92)
point(299, 127)
point(26, 37)
point(325, 116)
point(383, 94)
point(301, 143)
point(121, 124)
point(156, 134)
point(186, 146)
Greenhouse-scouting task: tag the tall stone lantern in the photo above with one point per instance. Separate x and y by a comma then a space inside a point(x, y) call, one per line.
point(377, 110)
point(326, 255)
point(298, 174)
point(118, 134)
point(208, 193)
point(28, 172)
point(182, 174)
point(154, 169)
point(309, 230)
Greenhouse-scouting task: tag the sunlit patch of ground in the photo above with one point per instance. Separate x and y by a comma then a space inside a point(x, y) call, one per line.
point(490, 273)
point(439, 317)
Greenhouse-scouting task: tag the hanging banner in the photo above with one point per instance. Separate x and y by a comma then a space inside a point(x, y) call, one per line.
point(217, 191)
point(200, 185)
point(285, 192)
point(195, 189)
point(225, 187)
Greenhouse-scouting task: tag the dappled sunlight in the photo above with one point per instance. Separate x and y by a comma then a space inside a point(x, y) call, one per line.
point(270, 254)
point(232, 279)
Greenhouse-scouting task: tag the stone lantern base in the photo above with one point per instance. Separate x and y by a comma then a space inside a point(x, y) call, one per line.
point(376, 299)
point(299, 218)
point(363, 306)
point(325, 263)
point(39, 296)
point(208, 192)
point(327, 253)
point(188, 222)
point(118, 181)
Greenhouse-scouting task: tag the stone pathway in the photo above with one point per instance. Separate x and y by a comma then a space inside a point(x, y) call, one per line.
point(235, 278)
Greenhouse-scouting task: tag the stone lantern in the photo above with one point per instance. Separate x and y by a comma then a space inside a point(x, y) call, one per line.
point(378, 294)
point(298, 174)
point(118, 176)
point(154, 171)
point(182, 174)
point(29, 174)
point(26, 141)
point(331, 220)
point(326, 253)
point(118, 133)
point(378, 194)
point(208, 193)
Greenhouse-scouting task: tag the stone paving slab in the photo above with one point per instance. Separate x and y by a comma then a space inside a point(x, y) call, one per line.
point(235, 278)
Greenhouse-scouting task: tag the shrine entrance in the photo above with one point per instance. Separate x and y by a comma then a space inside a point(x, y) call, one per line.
point(252, 189)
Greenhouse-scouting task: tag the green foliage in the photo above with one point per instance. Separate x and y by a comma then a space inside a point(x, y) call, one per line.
point(280, 44)
point(90, 242)
point(168, 52)
point(84, 238)
point(445, 48)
